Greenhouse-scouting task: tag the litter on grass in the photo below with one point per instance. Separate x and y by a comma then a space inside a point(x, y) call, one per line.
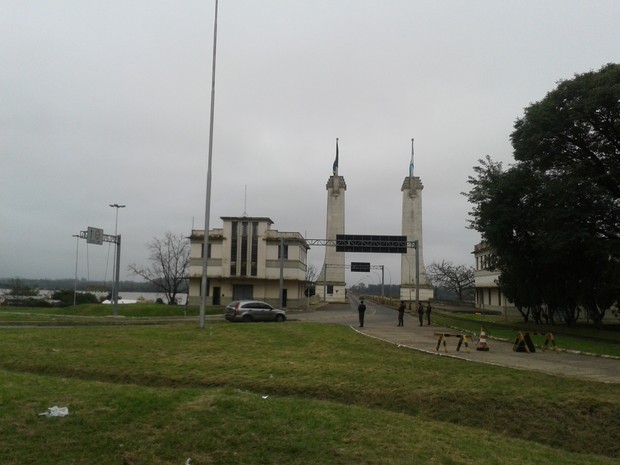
point(55, 411)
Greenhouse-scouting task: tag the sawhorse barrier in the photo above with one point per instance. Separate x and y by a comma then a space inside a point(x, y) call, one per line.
point(523, 342)
point(442, 338)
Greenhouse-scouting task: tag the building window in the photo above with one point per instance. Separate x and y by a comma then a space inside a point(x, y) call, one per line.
point(233, 249)
point(202, 250)
point(330, 289)
point(254, 250)
point(244, 249)
point(285, 253)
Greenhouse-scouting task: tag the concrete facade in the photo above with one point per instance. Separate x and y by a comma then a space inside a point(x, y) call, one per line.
point(330, 285)
point(244, 263)
point(412, 228)
point(488, 294)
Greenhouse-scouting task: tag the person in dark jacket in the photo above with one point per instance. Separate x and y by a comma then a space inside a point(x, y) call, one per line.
point(361, 309)
point(401, 313)
point(421, 313)
point(428, 313)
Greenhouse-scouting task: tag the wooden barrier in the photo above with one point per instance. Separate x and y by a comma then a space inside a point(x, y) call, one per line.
point(442, 338)
point(523, 342)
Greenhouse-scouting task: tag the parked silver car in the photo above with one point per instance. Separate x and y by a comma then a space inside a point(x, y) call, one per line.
point(253, 310)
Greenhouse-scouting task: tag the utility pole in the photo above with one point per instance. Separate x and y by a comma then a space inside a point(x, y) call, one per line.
point(203, 282)
point(117, 259)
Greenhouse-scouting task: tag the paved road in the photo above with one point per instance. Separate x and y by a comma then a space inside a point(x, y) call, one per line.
point(381, 323)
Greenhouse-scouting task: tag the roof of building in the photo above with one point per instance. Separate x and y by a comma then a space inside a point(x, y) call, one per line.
point(247, 218)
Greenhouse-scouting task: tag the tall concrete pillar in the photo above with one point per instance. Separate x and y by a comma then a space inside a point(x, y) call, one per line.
point(331, 281)
point(412, 228)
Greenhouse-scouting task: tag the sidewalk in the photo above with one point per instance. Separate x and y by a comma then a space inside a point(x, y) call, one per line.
point(382, 326)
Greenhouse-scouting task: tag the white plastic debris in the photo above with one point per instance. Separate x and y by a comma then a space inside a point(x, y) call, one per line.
point(265, 397)
point(55, 411)
point(188, 461)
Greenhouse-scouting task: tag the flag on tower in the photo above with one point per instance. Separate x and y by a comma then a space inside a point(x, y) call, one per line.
point(335, 167)
point(411, 163)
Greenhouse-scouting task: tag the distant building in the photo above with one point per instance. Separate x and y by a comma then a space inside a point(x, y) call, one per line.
point(244, 263)
point(488, 294)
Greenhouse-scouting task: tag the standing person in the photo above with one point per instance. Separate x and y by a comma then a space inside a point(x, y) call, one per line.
point(361, 309)
point(401, 313)
point(421, 313)
point(428, 312)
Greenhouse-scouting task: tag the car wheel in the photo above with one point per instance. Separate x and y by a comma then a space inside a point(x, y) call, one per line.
point(247, 318)
point(280, 318)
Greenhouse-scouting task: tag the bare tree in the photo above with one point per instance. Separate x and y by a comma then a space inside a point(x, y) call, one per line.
point(169, 265)
point(457, 278)
point(311, 276)
point(312, 273)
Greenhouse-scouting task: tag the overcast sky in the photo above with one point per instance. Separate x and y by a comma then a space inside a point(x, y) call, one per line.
point(106, 102)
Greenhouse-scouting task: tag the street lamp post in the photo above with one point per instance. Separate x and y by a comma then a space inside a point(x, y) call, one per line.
point(77, 243)
point(390, 286)
point(381, 281)
point(205, 251)
point(116, 259)
point(410, 280)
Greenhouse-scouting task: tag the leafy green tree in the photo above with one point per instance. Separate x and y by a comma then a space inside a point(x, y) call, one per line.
point(553, 217)
point(18, 287)
point(65, 296)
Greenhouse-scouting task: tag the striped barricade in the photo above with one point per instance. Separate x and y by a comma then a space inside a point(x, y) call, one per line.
point(442, 338)
point(524, 343)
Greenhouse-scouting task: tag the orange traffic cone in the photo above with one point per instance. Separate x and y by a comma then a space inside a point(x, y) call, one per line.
point(482, 342)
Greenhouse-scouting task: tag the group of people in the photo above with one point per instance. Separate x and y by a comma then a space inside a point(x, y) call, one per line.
point(361, 309)
point(421, 312)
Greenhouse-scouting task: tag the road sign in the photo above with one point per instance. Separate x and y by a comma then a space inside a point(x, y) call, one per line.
point(360, 266)
point(94, 236)
point(371, 244)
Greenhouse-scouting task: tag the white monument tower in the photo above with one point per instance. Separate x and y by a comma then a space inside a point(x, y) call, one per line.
point(331, 281)
point(412, 228)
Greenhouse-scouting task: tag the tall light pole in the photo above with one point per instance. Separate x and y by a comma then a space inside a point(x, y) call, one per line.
point(417, 274)
point(77, 243)
point(116, 260)
point(205, 248)
point(390, 288)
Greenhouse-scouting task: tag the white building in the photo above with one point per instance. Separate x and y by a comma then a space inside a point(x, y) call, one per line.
point(488, 294)
point(244, 262)
point(412, 228)
point(331, 284)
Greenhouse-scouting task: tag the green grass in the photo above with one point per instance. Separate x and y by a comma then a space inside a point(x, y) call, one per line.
point(157, 395)
point(82, 314)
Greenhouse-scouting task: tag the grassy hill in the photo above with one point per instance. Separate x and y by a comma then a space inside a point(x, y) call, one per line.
point(291, 393)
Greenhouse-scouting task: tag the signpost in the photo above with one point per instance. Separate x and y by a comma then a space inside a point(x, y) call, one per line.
point(97, 237)
point(360, 267)
point(94, 236)
point(371, 244)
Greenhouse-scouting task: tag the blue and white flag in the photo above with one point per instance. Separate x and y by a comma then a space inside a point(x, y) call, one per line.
point(335, 167)
point(411, 163)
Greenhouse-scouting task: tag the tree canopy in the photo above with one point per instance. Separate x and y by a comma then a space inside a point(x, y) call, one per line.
point(553, 217)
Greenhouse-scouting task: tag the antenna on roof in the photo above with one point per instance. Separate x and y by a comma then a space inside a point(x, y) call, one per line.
point(245, 201)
